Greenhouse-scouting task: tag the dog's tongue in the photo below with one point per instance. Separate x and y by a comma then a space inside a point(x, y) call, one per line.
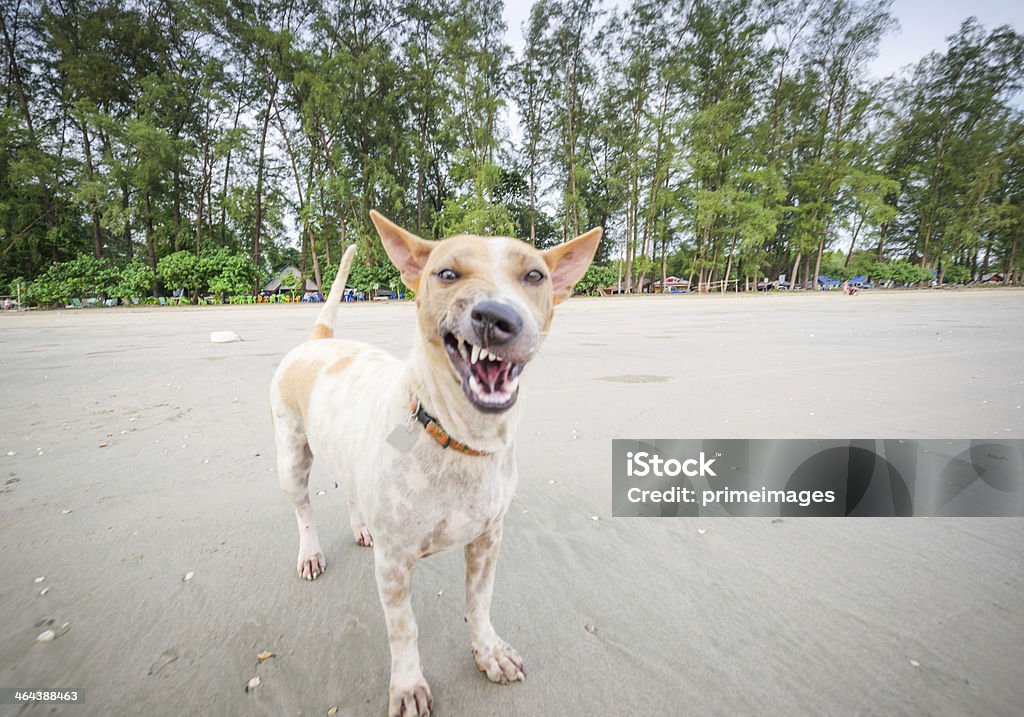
point(491, 374)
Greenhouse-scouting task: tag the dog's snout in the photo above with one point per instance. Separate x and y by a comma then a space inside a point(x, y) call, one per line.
point(495, 322)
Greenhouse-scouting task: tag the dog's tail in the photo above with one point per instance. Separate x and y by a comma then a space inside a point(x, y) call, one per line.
point(324, 326)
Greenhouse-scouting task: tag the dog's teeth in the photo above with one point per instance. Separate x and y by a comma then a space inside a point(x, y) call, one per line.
point(474, 384)
point(511, 386)
point(462, 350)
point(476, 354)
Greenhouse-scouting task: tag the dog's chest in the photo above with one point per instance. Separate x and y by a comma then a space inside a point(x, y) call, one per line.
point(452, 503)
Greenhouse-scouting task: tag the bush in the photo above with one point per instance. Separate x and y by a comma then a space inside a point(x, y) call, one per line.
point(133, 281)
point(957, 274)
point(179, 270)
point(595, 278)
point(228, 274)
point(82, 276)
point(908, 273)
point(218, 270)
point(365, 278)
point(901, 271)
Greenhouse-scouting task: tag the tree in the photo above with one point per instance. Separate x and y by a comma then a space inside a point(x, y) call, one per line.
point(180, 270)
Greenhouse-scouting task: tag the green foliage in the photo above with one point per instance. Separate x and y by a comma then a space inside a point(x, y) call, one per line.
point(134, 280)
point(381, 276)
point(84, 276)
point(901, 272)
point(229, 274)
point(595, 278)
point(833, 265)
point(179, 270)
point(957, 274)
point(292, 283)
point(741, 137)
point(218, 270)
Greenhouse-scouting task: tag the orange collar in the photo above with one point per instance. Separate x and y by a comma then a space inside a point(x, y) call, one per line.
point(433, 427)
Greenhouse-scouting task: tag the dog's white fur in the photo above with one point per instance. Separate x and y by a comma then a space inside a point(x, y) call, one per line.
point(339, 400)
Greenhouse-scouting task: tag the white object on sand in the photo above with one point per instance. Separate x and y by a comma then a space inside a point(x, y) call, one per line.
point(224, 337)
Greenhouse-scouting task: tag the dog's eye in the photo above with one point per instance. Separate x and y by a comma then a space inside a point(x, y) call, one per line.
point(447, 276)
point(533, 277)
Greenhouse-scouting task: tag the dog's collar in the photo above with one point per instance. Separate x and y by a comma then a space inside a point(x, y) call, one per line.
point(437, 432)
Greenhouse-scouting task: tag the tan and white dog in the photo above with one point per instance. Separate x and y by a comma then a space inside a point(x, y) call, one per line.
point(425, 447)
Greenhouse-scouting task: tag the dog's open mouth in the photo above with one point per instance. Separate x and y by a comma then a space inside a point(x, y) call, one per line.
point(490, 382)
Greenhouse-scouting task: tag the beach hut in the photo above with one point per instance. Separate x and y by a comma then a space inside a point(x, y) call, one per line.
point(277, 283)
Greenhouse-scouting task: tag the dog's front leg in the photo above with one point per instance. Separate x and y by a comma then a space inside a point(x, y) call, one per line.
point(493, 655)
point(408, 693)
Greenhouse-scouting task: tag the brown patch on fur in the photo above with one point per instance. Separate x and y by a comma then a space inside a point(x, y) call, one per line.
point(393, 576)
point(472, 564)
point(395, 599)
point(340, 365)
point(297, 384)
point(432, 540)
point(321, 332)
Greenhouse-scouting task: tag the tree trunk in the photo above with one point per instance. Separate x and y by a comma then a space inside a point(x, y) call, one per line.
point(533, 196)
point(853, 243)
point(227, 175)
point(298, 190)
point(817, 264)
point(97, 236)
point(260, 164)
point(127, 233)
point(796, 268)
point(26, 111)
point(1011, 260)
point(701, 256)
point(147, 210)
point(177, 202)
point(199, 223)
point(728, 264)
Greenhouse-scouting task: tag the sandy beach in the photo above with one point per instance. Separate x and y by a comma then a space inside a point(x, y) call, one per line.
point(135, 452)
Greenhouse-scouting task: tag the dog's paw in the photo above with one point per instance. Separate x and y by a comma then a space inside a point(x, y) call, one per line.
point(410, 701)
point(310, 567)
point(364, 538)
point(501, 663)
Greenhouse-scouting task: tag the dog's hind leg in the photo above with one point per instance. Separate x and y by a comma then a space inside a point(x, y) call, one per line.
point(294, 460)
point(494, 656)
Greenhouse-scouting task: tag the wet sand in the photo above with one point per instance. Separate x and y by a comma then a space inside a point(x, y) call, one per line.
point(159, 444)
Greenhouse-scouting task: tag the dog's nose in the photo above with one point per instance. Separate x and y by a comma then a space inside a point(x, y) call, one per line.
point(496, 323)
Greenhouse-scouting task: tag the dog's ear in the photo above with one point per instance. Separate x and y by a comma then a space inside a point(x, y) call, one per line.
point(406, 250)
point(568, 262)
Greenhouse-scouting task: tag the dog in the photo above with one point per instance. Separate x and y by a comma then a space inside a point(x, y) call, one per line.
point(425, 447)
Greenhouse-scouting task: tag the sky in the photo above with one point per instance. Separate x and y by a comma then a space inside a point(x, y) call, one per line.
point(923, 26)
